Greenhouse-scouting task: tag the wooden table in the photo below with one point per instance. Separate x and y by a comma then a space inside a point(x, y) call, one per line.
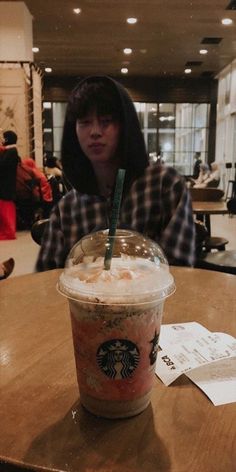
point(206, 209)
point(43, 426)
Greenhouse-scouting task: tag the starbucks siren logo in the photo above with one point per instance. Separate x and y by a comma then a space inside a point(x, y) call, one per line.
point(118, 358)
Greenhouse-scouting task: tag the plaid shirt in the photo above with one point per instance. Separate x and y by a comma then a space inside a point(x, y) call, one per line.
point(158, 205)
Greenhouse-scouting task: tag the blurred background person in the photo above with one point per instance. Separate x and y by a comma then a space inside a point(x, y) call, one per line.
point(209, 176)
point(8, 165)
point(53, 171)
point(46, 200)
point(197, 163)
point(28, 195)
point(214, 178)
point(52, 166)
point(203, 177)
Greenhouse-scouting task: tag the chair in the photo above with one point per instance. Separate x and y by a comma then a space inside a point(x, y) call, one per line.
point(215, 242)
point(224, 261)
point(37, 230)
point(210, 194)
point(231, 205)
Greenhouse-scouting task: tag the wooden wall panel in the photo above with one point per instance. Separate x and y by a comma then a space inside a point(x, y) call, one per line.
point(144, 89)
point(14, 106)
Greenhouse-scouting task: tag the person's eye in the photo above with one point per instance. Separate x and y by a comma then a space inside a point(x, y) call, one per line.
point(106, 120)
point(83, 123)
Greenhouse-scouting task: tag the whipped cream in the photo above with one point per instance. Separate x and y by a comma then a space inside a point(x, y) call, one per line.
point(128, 278)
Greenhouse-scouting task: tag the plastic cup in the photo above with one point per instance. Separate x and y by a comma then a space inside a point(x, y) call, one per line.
point(116, 318)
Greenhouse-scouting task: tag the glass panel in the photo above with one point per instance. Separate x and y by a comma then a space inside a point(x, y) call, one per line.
point(152, 115)
point(48, 141)
point(167, 144)
point(184, 115)
point(59, 110)
point(166, 115)
point(200, 115)
point(152, 146)
point(140, 109)
point(57, 137)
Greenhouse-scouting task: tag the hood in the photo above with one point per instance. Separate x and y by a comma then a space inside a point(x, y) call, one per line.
point(77, 169)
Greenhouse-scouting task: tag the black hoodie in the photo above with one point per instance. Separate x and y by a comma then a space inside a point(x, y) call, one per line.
point(76, 167)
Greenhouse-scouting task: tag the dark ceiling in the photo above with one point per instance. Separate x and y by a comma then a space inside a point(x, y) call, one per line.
point(168, 35)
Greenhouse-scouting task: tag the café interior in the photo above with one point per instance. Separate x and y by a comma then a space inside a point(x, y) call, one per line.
point(177, 60)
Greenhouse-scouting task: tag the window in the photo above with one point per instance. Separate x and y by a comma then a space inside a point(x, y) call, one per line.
point(175, 132)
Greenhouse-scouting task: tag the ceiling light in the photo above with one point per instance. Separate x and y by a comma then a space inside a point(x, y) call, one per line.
point(124, 70)
point(127, 50)
point(47, 105)
point(203, 51)
point(77, 10)
point(131, 21)
point(226, 21)
point(35, 49)
point(48, 69)
point(187, 71)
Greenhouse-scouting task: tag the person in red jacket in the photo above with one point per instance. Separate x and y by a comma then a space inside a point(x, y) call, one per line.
point(8, 165)
point(44, 185)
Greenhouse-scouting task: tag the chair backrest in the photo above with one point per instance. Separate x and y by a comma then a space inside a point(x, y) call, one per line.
point(37, 230)
point(206, 194)
point(231, 205)
point(201, 235)
point(58, 188)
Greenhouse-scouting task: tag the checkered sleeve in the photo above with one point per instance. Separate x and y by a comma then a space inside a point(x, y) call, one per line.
point(178, 236)
point(52, 252)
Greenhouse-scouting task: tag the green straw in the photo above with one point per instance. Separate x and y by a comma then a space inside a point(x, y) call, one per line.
point(114, 217)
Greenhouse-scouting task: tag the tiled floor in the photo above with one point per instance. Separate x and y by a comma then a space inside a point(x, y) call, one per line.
point(25, 250)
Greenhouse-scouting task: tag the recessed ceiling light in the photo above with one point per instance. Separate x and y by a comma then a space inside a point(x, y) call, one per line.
point(187, 71)
point(127, 50)
point(226, 21)
point(131, 21)
point(203, 51)
point(48, 69)
point(124, 70)
point(35, 49)
point(77, 10)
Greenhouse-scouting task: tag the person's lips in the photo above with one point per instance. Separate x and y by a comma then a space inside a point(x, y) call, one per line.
point(97, 147)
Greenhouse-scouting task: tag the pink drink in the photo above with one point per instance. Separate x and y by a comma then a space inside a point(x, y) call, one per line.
point(116, 318)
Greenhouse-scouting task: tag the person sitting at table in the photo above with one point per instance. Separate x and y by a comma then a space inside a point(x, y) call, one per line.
point(208, 177)
point(203, 177)
point(214, 178)
point(197, 163)
point(101, 134)
point(46, 200)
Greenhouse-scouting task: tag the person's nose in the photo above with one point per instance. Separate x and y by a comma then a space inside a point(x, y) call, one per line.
point(96, 129)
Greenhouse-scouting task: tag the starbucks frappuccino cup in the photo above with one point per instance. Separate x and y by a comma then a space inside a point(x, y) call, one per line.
point(116, 318)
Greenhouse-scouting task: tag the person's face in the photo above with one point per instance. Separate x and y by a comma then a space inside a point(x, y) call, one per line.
point(98, 137)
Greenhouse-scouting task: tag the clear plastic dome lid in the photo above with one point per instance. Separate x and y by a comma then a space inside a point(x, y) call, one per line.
point(139, 271)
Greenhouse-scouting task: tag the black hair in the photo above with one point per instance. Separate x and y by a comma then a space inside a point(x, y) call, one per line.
point(95, 96)
point(10, 137)
point(107, 97)
point(51, 161)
